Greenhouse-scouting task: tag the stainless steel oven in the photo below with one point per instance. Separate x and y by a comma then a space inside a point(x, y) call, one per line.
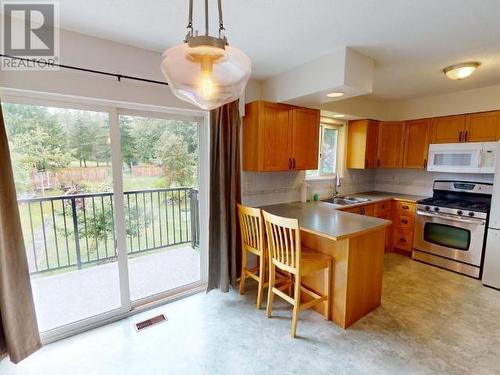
point(449, 236)
point(450, 230)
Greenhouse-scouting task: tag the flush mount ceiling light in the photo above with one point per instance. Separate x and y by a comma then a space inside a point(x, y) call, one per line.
point(205, 70)
point(335, 94)
point(338, 115)
point(461, 71)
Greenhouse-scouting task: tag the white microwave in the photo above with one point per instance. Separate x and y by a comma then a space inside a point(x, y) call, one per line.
point(472, 157)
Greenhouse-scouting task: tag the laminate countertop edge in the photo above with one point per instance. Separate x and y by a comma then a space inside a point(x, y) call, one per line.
point(323, 219)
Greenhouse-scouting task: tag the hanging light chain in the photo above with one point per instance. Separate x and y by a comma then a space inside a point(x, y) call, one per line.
point(190, 28)
point(190, 22)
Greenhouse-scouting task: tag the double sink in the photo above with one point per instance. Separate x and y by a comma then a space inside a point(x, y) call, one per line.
point(346, 201)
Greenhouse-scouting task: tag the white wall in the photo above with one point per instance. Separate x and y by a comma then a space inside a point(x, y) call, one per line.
point(98, 54)
point(467, 101)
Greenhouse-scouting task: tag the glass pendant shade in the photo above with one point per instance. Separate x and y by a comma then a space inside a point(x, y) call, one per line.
point(204, 75)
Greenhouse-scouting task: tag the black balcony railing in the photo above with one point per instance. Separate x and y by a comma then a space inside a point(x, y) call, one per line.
point(74, 231)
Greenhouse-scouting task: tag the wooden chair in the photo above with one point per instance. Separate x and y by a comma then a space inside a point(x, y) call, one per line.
point(252, 241)
point(287, 254)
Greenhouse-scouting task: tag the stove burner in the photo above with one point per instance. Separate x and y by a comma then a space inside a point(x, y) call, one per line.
point(464, 204)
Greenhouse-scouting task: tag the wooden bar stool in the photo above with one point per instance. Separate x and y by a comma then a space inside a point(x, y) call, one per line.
point(252, 241)
point(287, 254)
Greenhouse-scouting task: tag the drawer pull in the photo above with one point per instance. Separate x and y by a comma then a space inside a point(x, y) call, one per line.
point(404, 221)
point(405, 207)
point(402, 240)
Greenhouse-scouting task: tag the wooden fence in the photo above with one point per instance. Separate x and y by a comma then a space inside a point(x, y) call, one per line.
point(77, 175)
point(146, 171)
point(54, 180)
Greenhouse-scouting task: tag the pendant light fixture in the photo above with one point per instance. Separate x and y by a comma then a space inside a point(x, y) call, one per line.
point(205, 70)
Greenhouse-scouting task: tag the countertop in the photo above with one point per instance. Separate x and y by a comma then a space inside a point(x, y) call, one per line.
point(376, 196)
point(380, 196)
point(325, 220)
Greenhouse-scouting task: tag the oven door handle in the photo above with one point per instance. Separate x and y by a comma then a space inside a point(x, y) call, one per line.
point(452, 218)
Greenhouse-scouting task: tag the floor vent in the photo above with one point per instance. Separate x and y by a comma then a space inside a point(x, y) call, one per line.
point(150, 322)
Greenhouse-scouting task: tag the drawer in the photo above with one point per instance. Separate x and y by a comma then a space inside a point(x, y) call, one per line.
point(403, 240)
point(382, 207)
point(405, 222)
point(406, 208)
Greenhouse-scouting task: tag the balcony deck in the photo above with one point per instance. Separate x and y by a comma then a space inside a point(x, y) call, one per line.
point(71, 296)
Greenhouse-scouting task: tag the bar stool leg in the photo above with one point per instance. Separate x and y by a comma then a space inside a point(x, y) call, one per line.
point(260, 290)
point(296, 306)
point(270, 293)
point(328, 302)
point(243, 271)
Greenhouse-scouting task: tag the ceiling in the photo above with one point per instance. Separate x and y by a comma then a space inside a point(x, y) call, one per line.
point(410, 41)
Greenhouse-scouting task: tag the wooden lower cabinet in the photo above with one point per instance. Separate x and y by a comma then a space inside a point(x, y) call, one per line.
point(404, 226)
point(368, 210)
point(399, 236)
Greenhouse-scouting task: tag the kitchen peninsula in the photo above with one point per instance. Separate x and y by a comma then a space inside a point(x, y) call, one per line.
point(356, 244)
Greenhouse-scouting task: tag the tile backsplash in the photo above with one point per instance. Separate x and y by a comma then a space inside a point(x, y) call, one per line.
point(260, 189)
point(418, 182)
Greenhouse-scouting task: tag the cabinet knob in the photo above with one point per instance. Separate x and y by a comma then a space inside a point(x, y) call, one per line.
point(404, 221)
point(405, 207)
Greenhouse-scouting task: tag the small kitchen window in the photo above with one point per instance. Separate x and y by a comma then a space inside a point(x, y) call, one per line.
point(328, 144)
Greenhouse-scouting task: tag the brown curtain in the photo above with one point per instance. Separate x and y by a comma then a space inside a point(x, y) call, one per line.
point(18, 327)
point(225, 125)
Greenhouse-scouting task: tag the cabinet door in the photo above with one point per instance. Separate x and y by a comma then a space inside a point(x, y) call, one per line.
point(416, 144)
point(275, 137)
point(372, 144)
point(388, 232)
point(370, 210)
point(449, 129)
point(362, 143)
point(305, 138)
point(390, 144)
point(357, 131)
point(482, 127)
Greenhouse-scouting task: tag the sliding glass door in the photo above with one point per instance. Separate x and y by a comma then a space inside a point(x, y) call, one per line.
point(110, 208)
point(63, 175)
point(160, 179)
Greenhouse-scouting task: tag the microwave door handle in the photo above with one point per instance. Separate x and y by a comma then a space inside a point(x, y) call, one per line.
point(451, 218)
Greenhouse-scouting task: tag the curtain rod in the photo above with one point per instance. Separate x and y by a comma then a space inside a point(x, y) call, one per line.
point(71, 67)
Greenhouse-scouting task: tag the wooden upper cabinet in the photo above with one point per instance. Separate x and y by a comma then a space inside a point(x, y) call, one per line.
point(448, 129)
point(482, 127)
point(416, 143)
point(305, 138)
point(390, 144)
point(362, 144)
point(279, 137)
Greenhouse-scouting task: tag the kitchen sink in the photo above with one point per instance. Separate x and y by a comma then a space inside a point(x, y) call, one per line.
point(345, 201)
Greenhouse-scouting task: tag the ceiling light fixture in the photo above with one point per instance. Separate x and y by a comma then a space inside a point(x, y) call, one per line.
point(461, 71)
point(338, 116)
point(205, 70)
point(335, 94)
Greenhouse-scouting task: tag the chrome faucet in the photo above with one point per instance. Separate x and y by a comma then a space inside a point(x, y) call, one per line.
point(337, 182)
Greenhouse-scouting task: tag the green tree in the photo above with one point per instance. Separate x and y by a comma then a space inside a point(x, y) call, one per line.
point(179, 166)
point(128, 142)
point(82, 133)
point(38, 151)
